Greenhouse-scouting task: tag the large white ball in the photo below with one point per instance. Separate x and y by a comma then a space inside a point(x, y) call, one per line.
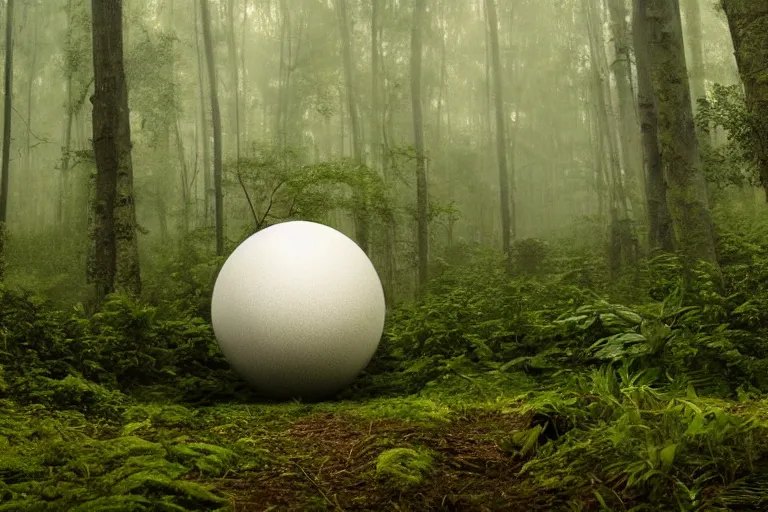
point(298, 310)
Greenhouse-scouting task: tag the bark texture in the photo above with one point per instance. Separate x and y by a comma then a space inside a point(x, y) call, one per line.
point(621, 67)
point(216, 118)
point(115, 266)
point(659, 222)
point(8, 102)
point(361, 218)
point(687, 189)
point(422, 213)
point(507, 225)
point(748, 23)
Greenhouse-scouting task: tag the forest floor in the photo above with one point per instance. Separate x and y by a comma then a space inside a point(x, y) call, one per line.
point(493, 444)
point(323, 459)
point(450, 449)
point(531, 395)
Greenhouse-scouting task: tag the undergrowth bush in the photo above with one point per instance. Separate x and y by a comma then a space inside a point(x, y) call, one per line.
point(99, 409)
point(675, 451)
point(71, 360)
point(476, 318)
point(49, 463)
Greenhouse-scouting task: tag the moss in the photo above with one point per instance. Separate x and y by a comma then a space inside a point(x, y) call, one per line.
point(404, 467)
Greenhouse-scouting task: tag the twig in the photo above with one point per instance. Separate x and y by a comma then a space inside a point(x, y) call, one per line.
point(317, 486)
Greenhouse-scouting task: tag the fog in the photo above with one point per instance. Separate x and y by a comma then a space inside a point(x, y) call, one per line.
point(285, 103)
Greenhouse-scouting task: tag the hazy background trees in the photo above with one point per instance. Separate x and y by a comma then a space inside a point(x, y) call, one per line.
point(402, 123)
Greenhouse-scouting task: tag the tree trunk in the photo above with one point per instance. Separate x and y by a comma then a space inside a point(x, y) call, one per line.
point(748, 23)
point(66, 149)
point(375, 87)
point(116, 264)
point(69, 119)
point(418, 142)
point(281, 87)
point(681, 164)
point(30, 86)
point(243, 71)
point(216, 115)
point(361, 220)
point(659, 222)
point(236, 104)
point(377, 154)
point(7, 106)
point(622, 72)
point(208, 192)
point(507, 228)
point(232, 49)
point(694, 40)
point(608, 131)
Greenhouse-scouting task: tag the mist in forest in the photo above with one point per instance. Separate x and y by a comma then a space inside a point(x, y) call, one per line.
point(403, 124)
point(564, 202)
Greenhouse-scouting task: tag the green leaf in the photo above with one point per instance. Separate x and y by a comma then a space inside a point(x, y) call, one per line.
point(667, 455)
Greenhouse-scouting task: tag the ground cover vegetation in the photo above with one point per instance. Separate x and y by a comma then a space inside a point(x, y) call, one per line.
point(565, 201)
point(533, 392)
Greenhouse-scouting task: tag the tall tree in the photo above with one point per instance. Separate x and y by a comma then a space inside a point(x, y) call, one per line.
point(69, 69)
point(748, 23)
point(659, 221)
point(687, 192)
point(232, 49)
point(507, 223)
point(695, 41)
point(621, 67)
point(31, 76)
point(208, 191)
point(377, 148)
point(7, 106)
point(361, 221)
point(216, 118)
point(606, 132)
point(116, 259)
point(375, 85)
point(422, 220)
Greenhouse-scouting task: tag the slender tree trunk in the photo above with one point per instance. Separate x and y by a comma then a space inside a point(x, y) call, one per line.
point(236, 105)
point(243, 71)
point(361, 220)
point(232, 49)
point(422, 213)
point(443, 81)
point(341, 123)
point(694, 40)
point(622, 72)
point(375, 87)
point(377, 155)
point(346, 52)
point(30, 88)
point(507, 229)
point(687, 192)
point(64, 171)
point(281, 88)
point(184, 176)
point(216, 115)
point(116, 264)
point(599, 63)
point(69, 119)
point(659, 222)
point(7, 110)
point(748, 23)
point(207, 185)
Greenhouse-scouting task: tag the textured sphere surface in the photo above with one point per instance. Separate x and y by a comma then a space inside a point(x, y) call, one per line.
point(298, 310)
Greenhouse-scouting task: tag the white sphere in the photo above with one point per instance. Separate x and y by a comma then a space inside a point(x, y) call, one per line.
point(298, 310)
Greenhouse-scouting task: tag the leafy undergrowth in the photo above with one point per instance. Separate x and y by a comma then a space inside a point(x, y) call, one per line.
point(543, 392)
point(608, 443)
